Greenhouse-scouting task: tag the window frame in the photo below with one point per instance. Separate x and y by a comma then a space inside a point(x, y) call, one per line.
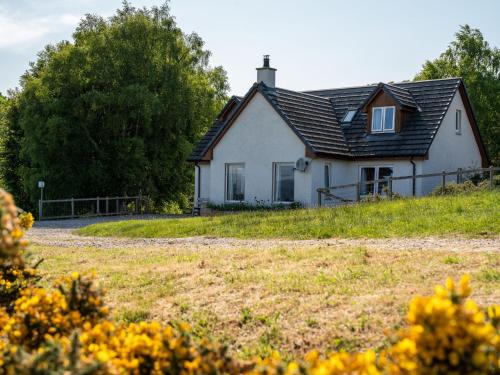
point(353, 113)
point(383, 129)
point(458, 122)
point(327, 166)
point(376, 177)
point(226, 182)
point(274, 175)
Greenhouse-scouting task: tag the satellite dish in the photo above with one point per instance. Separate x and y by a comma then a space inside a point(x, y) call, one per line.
point(301, 164)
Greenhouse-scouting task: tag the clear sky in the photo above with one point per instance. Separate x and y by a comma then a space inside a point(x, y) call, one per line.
point(314, 44)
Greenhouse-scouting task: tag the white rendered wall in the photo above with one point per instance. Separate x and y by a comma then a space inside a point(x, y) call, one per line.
point(450, 151)
point(257, 138)
point(348, 172)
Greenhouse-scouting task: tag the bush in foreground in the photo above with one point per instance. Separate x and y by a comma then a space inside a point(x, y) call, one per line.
point(67, 329)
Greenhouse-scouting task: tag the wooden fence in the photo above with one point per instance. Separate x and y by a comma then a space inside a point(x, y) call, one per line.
point(329, 193)
point(87, 207)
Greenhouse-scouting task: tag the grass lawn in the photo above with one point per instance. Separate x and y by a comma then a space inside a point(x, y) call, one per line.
point(291, 299)
point(474, 214)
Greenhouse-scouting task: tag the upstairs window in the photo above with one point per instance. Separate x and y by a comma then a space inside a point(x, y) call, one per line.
point(458, 122)
point(235, 182)
point(383, 119)
point(348, 116)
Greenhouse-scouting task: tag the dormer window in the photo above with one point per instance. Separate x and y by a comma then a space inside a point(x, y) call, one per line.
point(383, 119)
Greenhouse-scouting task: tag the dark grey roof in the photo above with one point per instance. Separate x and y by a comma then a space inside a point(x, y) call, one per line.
point(315, 117)
point(312, 118)
point(401, 95)
point(203, 145)
point(432, 98)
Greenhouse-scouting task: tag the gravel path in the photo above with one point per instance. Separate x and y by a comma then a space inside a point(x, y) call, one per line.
point(61, 234)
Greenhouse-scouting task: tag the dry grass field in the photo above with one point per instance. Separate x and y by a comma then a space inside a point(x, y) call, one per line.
point(289, 298)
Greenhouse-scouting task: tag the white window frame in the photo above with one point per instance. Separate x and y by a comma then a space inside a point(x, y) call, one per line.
point(226, 181)
point(377, 168)
point(458, 122)
point(383, 129)
point(274, 192)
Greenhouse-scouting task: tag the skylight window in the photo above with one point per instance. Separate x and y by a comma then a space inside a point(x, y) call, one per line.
point(349, 116)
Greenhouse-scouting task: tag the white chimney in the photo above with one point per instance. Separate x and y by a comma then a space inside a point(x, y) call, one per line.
point(266, 74)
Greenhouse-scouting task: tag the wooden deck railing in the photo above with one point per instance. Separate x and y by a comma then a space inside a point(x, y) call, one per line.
point(459, 173)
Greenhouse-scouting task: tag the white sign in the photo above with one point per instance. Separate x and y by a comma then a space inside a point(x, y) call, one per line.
point(41, 184)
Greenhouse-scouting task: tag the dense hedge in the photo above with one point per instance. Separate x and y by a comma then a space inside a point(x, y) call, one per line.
point(67, 329)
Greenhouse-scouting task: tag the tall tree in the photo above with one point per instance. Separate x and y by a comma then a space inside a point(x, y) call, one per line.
point(11, 161)
point(118, 109)
point(471, 57)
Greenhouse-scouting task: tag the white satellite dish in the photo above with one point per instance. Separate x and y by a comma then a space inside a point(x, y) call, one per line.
point(301, 164)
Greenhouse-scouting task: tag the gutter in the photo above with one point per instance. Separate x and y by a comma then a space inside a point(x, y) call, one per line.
point(414, 180)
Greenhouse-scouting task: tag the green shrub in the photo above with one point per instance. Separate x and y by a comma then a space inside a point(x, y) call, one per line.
point(452, 188)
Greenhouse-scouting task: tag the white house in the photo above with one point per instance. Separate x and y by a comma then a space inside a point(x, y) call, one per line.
point(278, 146)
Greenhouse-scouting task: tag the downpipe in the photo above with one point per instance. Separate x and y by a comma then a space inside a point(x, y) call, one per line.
point(414, 172)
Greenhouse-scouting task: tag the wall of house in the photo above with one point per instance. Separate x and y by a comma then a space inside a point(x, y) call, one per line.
point(348, 172)
point(450, 151)
point(257, 138)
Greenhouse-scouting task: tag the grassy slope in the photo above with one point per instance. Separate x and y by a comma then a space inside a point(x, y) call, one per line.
point(472, 214)
point(257, 300)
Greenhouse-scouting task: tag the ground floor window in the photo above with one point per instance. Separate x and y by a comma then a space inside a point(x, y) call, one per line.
point(371, 174)
point(283, 184)
point(327, 178)
point(235, 182)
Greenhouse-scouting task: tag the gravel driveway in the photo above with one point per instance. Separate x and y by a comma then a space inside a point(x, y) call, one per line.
point(61, 233)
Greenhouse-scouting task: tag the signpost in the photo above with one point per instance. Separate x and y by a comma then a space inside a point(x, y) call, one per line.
point(41, 185)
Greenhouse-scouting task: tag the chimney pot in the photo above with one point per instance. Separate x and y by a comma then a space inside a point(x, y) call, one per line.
point(266, 74)
point(266, 61)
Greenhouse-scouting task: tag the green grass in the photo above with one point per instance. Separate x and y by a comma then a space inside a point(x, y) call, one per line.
point(471, 215)
point(260, 299)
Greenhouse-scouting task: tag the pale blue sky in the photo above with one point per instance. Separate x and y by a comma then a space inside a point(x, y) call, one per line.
point(313, 44)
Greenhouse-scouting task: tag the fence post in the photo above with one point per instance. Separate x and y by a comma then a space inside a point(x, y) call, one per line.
point(72, 207)
point(97, 208)
point(40, 209)
point(459, 175)
point(389, 186)
point(358, 191)
point(443, 181)
point(117, 206)
point(319, 198)
point(140, 201)
point(107, 205)
point(491, 177)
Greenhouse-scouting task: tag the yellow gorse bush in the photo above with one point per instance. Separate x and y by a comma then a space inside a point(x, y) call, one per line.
point(26, 220)
point(67, 329)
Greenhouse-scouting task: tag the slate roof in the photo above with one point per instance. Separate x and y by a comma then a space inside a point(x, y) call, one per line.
point(315, 117)
point(403, 96)
point(312, 117)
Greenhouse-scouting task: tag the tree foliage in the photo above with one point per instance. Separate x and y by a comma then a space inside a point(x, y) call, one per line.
point(117, 110)
point(471, 57)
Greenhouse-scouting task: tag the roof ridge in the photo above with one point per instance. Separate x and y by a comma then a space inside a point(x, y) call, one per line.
point(385, 83)
point(300, 92)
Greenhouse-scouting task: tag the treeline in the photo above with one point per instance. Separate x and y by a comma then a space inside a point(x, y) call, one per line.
point(113, 112)
point(117, 110)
